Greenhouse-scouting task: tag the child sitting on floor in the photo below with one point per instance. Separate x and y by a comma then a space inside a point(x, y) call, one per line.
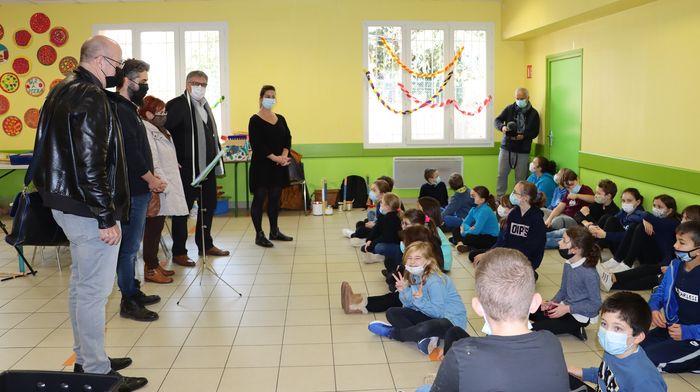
point(382, 243)
point(431, 208)
point(480, 228)
point(433, 187)
point(459, 205)
point(364, 227)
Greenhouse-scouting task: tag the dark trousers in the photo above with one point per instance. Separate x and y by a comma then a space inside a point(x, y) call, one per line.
point(382, 303)
point(361, 231)
point(179, 223)
point(453, 335)
point(151, 240)
point(479, 241)
point(610, 224)
point(670, 355)
point(564, 324)
point(413, 326)
point(638, 245)
point(273, 207)
point(644, 277)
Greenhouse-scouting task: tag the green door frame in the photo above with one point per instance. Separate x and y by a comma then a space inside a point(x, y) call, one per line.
point(550, 59)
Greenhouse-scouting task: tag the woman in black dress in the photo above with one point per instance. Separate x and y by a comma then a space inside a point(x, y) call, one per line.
point(270, 141)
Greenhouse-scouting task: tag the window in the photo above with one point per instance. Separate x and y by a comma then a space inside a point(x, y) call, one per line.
point(173, 50)
point(427, 48)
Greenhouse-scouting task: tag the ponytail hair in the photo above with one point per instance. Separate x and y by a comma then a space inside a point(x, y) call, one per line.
point(536, 198)
point(582, 239)
point(546, 165)
point(431, 208)
point(419, 218)
point(484, 193)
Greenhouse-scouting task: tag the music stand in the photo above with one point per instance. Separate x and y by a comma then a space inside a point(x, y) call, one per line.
point(197, 183)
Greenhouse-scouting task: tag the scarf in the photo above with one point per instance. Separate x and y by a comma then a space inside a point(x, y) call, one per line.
point(520, 117)
point(202, 113)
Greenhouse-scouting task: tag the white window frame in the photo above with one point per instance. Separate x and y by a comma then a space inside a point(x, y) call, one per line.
point(179, 29)
point(449, 27)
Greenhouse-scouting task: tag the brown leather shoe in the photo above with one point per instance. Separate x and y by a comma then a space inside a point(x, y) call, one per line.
point(164, 271)
point(155, 276)
point(214, 251)
point(184, 261)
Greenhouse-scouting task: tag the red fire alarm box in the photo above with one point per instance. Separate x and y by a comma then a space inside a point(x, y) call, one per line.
point(529, 71)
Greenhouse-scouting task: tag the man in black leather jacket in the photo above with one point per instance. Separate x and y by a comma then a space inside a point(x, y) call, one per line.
point(80, 172)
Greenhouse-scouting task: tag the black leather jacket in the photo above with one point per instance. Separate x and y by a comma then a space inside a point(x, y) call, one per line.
point(79, 167)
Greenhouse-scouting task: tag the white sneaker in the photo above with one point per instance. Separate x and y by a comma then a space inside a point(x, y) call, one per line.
point(609, 264)
point(620, 267)
point(347, 233)
point(600, 269)
point(371, 258)
point(357, 242)
point(605, 281)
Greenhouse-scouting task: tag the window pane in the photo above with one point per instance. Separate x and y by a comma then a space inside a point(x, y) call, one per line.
point(470, 84)
point(123, 38)
point(202, 53)
point(158, 50)
point(427, 52)
point(384, 126)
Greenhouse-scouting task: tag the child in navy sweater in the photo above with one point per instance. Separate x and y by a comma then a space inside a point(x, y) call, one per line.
point(434, 187)
point(364, 227)
point(577, 302)
point(625, 320)
point(674, 345)
point(382, 243)
point(459, 205)
point(611, 231)
point(480, 228)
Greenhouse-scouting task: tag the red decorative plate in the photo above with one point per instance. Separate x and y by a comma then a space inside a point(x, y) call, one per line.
point(2, 31)
point(9, 82)
point(46, 55)
point(4, 53)
point(4, 104)
point(58, 36)
point(39, 22)
point(23, 38)
point(31, 118)
point(21, 65)
point(54, 83)
point(67, 64)
point(34, 86)
point(12, 125)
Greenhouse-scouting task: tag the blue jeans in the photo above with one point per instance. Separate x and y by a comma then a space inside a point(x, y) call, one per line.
point(452, 221)
point(132, 234)
point(553, 238)
point(91, 282)
point(391, 253)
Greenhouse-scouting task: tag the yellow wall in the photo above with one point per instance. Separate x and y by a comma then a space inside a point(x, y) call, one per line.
point(640, 81)
point(310, 49)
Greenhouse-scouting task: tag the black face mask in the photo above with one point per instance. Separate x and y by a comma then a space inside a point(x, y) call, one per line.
point(138, 95)
point(113, 81)
point(564, 253)
point(159, 120)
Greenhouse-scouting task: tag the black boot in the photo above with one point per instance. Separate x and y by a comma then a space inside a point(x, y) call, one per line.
point(128, 384)
point(144, 299)
point(132, 309)
point(276, 235)
point(261, 240)
point(115, 364)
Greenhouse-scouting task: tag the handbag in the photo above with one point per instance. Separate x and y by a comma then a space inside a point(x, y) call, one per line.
point(153, 206)
point(295, 168)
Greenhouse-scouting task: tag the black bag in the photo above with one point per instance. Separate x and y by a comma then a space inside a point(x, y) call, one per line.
point(357, 191)
point(295, 167)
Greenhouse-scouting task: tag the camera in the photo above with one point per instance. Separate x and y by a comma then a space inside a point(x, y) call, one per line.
point(512, 129)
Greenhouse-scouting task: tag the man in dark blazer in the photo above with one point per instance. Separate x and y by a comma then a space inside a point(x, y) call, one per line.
point(194, 133)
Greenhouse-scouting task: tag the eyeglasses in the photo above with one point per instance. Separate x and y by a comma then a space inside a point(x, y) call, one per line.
point(198, 84)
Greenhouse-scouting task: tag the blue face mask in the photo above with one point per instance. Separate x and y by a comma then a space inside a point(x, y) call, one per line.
point(402, 247)
point(514, 199)
point(382, 211)
point(685, 256)
point(521, 103)
point(438, 180)
point(373, 196)
point(268, 103)
point(614, 343)
point(576, 189)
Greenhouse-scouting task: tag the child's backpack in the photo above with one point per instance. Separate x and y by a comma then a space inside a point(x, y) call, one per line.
point(357, 191)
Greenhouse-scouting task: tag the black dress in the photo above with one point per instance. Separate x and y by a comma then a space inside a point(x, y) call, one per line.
point(266, 139)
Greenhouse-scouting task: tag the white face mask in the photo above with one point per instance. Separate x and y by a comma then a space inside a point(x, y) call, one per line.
point(556, 178)
point(415, 270)
point(532, 167)
point(628, 207)
point(502, 211)
point(659, 212)
point(197, 92)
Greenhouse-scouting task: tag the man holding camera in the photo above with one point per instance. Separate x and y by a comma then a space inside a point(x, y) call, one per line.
point(520, 123)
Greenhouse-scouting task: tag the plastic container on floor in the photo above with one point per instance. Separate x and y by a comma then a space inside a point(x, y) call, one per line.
point(30, 380)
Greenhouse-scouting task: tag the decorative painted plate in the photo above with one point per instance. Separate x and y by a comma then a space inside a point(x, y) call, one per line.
point(23, 38)
point(21, 65)
point(12, 125)
point(58, 36)
point(2, 31)
point(34, 86)
point(54, 83)
point(67, 64)
point(9, 82)
point(4, 104)
point(39, 22)
point(4, 53)
point(31, 118)
point(46, 55)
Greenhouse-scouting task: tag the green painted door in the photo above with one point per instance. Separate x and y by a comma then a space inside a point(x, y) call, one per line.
point(563, 126)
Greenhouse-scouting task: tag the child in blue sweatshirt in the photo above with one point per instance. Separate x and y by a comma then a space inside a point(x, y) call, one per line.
point(480, 228)
point(542, 175)
point(674, 345)
point(459, 205)
point(431, 303)
point(577, 302)
point(558, 193)
point(625, 320)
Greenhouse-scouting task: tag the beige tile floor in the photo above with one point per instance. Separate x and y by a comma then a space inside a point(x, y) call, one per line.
point(287, 332)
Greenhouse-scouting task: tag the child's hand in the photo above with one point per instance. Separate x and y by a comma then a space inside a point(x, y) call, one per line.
point(572, 196)
point(477, 259)
point(559, 310)
point(545, 306)
point(585, 211)
point(367, 244)
point(658, 319)
point(400, 281)
point(575, 371)
point(663, 270)
point(648, 228)
point(548, 223)
point(597, 231)
point(369, 225)
point(674, 330)
point(419, 292)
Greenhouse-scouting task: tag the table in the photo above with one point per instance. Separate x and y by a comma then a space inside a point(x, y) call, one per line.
point(11, 169)
point(235, 185)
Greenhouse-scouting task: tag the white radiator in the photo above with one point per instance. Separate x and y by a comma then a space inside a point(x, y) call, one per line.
point(408, 171)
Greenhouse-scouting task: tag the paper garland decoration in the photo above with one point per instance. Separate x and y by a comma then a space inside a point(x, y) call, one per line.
point(408, 111)
point(450, 101)
point(31, 118)
point(23, 38)
point(58, 36)
point(9, 82)
point(67, 65)
point(4, 53)
point(420, 74)
point(46, 55)
point(34, 86)
point(4, 104)
point(39, 22)
point(12, 125)
point(21, 65)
